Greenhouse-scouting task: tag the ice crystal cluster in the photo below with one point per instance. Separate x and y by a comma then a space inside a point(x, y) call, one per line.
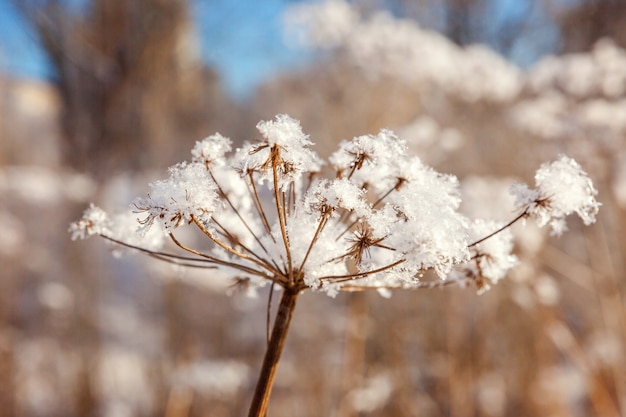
point(372, 216)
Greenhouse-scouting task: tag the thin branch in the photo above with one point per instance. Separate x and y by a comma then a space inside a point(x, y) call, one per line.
point(258, 205)
point(260, 400)
point(228, 248)
point(319, 229)
point(233, 265)
point(270, 267)
point(232, 239)
point(185, 264)
point(377, 202)
point(286, 206)
point(269, 310)
point(350, 277)
point(164, 256)
point(394, 188)
point(509, 224)
point(281, 217)
point(291, 201)
point(356, 253)
point(232, 206)
point(344, 215)
point(415, 286)
point(355, 165)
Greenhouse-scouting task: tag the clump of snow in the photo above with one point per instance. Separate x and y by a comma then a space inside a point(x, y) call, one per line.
point(562, 188)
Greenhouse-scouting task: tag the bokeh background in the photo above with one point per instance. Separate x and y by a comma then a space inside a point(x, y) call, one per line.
point(98, 97)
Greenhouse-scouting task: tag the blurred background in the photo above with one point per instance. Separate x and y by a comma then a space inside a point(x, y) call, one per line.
point(98, 97)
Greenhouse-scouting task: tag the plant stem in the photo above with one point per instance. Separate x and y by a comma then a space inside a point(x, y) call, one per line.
point(260, 401)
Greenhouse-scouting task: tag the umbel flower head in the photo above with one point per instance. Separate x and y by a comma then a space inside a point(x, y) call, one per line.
point(381, 219)
point(563, 188)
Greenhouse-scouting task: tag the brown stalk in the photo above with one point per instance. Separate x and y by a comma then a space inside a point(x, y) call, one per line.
point(263, 390)
point(258, 205)
point(350, 277)
point(234, 209)
point(233, 265)
point(292, 197)
point(228, 248)
point(281, 217)
point(320, 227)
point(415, 286)
point(269, 310)
point(167, 257)
point(285, 203)
point(225, 233)
point(509, 224)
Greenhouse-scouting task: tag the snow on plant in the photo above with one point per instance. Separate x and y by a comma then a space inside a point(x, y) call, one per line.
point(384, 45)
point(382, 219)
point(563, 188)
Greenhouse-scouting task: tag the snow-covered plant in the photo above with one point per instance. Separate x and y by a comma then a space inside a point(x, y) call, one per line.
point(371, 217)
point(381, 44)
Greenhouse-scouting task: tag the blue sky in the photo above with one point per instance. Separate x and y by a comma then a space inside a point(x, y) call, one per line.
point(20, 53)
point(242, 39)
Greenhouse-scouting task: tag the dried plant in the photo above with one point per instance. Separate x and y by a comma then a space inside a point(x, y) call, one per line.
point(382, 220)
